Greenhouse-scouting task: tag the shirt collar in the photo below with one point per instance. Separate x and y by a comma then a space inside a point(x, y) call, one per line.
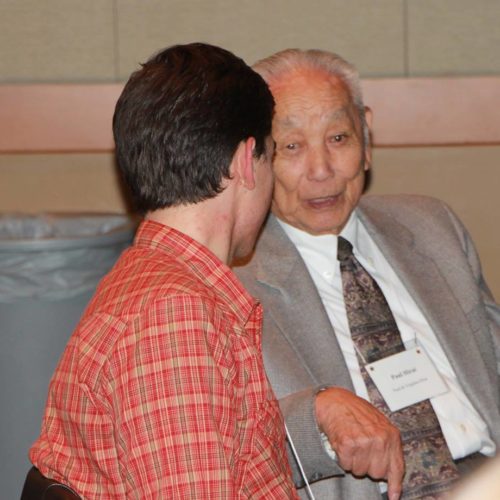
point(207, 267)
point(324, 244)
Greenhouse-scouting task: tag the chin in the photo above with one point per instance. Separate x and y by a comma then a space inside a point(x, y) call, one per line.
point(324, 226)
point(332, 223)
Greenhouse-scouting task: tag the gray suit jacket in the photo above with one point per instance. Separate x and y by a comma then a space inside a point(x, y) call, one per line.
point(435, 258)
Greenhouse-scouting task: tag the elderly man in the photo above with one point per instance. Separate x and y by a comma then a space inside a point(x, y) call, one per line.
point(161, 391)
point(370, 296)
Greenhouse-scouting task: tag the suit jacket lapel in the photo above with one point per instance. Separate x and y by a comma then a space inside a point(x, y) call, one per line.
point(436, 300)
point(297, 308)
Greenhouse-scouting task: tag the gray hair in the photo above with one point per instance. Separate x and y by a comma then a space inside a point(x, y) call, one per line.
point(276, 66)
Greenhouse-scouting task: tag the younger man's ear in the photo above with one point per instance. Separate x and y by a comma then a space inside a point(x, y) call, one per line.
point(369, 117)
point(244, 163)
point(368, 148)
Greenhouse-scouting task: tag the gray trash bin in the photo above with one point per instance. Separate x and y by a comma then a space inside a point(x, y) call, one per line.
point(49, 268)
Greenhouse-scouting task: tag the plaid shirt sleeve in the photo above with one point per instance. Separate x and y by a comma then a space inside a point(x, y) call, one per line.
point(175, 411)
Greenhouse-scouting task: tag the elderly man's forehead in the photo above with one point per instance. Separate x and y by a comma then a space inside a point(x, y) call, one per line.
point(302, 82)
point(291, 120)
point(314, 93)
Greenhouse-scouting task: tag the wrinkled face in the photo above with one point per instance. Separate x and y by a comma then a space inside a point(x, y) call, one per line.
point(320, 161)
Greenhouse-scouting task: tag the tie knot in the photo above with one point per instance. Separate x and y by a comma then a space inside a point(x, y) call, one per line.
point(344, 249)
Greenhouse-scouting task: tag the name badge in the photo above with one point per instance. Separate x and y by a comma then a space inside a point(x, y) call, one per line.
point(406, 378)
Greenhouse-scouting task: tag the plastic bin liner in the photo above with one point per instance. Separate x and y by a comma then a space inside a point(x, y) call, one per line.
point(53, 257)
point(50, 266)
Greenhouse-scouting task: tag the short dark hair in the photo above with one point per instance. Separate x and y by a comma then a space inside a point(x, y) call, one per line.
point(180, 119)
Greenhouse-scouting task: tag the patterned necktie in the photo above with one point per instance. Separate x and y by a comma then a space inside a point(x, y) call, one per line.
point(430, 469)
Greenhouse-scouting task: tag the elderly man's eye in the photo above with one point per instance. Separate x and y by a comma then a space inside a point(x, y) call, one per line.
point(291, 146)
point(338, 137)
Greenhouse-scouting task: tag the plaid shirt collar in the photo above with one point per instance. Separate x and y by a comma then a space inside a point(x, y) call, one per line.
point(208, 268)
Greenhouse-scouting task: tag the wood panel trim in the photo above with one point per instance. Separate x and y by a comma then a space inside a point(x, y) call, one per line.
point(37, 118)
point(434, 111)
point(57, 118)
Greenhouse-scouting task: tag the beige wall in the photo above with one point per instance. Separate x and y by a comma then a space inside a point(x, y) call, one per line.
point(104, 40)
point(59, 183)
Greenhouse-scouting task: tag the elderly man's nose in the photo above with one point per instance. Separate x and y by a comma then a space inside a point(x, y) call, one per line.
point(320, 164)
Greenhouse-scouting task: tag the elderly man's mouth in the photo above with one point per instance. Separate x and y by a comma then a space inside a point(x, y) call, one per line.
point(323, 202)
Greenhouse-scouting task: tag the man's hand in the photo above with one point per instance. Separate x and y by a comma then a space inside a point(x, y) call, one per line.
point(365, 441)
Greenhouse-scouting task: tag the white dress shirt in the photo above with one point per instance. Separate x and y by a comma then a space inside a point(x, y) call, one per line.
point(463, 428)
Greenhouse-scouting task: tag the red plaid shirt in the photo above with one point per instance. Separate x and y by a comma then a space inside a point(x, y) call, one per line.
point(161, 391)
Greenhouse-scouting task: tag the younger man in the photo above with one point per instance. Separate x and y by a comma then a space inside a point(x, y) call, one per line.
point(161, 391)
